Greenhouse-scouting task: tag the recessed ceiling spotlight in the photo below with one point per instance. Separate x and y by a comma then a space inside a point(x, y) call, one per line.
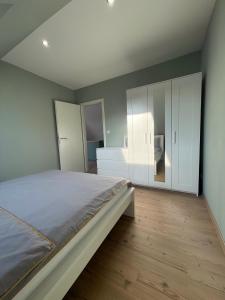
point(110, 2)
point(45, 43)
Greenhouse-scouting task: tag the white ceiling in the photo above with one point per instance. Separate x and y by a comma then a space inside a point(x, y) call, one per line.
point(91, 42)
point(18, 18)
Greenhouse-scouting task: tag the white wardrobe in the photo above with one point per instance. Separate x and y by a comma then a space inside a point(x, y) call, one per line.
point(164, 133)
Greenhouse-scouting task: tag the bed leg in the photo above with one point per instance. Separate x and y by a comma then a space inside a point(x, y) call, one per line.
point(130, 211)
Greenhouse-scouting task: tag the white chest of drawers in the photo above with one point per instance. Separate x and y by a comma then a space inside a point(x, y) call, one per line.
point(113, 162)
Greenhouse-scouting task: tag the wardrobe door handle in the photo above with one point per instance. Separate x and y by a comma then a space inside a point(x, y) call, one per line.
point(62, 139)
point(175, 137)
point(150, 137)
point(146, 138)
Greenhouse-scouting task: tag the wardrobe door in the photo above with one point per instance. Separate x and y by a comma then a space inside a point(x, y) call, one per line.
point(186, 111)
point(138, 142)
point(159, 103)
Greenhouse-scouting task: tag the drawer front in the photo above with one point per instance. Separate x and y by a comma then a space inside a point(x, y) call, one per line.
point(113, 173)
point(112, 165)
point(117, 154)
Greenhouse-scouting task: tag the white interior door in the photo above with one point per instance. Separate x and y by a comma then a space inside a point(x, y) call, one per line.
point(186, 111)
point(69, 128)
point(138, 140)
point(159, 97)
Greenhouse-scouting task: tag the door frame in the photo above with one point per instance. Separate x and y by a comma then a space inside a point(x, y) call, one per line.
point(82, 106)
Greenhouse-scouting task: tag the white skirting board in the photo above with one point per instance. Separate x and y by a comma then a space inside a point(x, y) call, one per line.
point(217, 228)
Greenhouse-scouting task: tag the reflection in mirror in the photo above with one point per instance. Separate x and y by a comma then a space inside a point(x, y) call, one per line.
point(159, 135)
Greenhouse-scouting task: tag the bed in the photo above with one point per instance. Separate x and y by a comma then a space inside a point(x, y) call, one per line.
point(51, 224)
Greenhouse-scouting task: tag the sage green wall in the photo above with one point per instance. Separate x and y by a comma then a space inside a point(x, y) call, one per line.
point(214, 115)
point(114, 91)
point(27, 126)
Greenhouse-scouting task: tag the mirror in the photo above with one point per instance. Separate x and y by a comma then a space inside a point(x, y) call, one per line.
point(159, 134)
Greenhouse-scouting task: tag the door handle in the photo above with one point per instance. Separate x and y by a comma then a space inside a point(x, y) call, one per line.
point(63, 138)
point(150, 138)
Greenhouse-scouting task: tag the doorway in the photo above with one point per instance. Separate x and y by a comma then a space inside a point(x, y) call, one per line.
point(93, 121)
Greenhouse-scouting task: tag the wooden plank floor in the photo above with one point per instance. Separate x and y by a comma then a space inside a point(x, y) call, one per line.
point(170, 251)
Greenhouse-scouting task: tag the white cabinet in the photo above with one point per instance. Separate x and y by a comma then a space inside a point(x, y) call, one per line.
point(149, 134)
point(186, 110)
point(164, 133)
point(138, 139)
point(113, 162)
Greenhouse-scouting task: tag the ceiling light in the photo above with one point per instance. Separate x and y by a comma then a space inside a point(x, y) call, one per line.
point(110, 2)
point(45, 43)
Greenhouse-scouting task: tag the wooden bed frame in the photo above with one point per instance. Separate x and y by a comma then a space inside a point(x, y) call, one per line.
point(54, 280)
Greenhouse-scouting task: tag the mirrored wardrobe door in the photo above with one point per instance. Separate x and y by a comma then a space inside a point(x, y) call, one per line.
point(159, 97)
